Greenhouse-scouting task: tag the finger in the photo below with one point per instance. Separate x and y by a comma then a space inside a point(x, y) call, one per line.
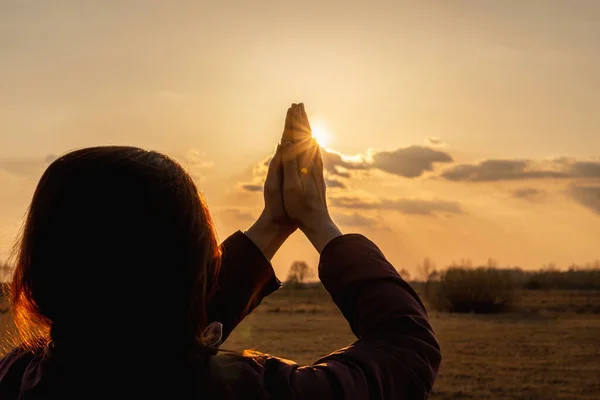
point(294, 129)
point(288, 126)
point(310, 162)
point(302, 124)
point(291, 178)
point(304, 115)
point(306, 122)
point(305, 153)
point(319, 171)
point(273, 179)
point(318, 168)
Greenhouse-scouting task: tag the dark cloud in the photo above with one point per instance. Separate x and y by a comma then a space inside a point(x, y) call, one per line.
point(588, 196)
point(50, 158)
point(343, 174)
point(527, 193)
point(334, 183)
point(22, 167)
point(498, 170)
point(505, 170)
point(234, 215)
point(409, 162)
point(404, 206)
point(435, 141)
point(251, 187)
point(354, 219)
point(585, 169)
point(335, 164)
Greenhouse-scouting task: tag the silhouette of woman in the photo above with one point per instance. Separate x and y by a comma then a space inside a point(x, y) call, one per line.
point(121, 289)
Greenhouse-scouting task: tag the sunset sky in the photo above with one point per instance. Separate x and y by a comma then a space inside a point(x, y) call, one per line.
point(458, 129)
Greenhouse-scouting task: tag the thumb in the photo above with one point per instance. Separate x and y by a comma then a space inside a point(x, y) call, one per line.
point(291, 177)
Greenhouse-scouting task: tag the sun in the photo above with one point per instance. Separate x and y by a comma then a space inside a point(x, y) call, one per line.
point(321, 134)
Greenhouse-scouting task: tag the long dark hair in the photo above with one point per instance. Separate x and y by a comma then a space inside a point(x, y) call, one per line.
point(118, 247)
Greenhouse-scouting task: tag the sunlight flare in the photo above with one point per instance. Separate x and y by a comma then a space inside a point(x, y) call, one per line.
point(321, 134)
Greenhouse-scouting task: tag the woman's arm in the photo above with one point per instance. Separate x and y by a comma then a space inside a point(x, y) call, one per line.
point(396, 355)
point(246, 277)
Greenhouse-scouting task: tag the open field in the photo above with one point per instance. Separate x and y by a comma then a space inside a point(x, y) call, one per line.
point(534, 353)
point(549, 348)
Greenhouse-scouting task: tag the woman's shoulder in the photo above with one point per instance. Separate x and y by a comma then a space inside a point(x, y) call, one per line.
point(17, 359)
point(248, 373)
point(14, 366)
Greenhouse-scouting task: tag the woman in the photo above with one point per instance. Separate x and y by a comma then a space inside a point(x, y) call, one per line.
point(122, 291)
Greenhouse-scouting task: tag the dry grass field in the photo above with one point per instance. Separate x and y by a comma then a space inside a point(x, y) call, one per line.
point(548, 348)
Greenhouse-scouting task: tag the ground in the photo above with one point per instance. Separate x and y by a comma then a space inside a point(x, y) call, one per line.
point(548, 348)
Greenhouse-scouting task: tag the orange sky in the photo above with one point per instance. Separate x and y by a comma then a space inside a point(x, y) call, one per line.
point(209, 83)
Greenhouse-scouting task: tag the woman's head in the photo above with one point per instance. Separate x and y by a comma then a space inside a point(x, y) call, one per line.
point(118, 245)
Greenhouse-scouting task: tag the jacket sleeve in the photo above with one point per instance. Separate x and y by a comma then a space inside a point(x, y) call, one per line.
point(396, 355)
point(245, 278)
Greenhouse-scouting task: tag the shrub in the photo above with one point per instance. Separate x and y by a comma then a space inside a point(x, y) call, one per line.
point(298, 274)
point(480, 290)
point(575, 278)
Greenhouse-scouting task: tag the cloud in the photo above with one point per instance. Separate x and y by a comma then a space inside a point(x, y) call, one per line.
point(50, 158)
point(354, 219)
point(506, 170)
point(235, 214)
point(588, 196)
point(585, 169)
point(409, 162)
point(527, 193)
point(196, 159)
point(404, 206)
point(334, 183)
point(251, 187)
point(335, 163)
point(259, 174)
point(22, 167)
point(197, 164)
point(434, 141)
point(497, 170)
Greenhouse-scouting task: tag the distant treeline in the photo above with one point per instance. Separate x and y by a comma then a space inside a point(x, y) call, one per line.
point(490, 289)
point(575, 277)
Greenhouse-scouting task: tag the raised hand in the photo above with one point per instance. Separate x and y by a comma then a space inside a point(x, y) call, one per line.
point(303, 183)
point(274, 225)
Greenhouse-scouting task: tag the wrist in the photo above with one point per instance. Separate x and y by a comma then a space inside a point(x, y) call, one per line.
point(321, 232)
point(268, 236)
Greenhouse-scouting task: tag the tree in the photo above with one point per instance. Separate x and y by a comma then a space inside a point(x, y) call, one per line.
point(491, 263)
point(404, 274)
point(299, 272)
point(426, 269)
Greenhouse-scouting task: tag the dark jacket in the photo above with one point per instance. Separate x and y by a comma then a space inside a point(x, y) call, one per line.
point(396, 355)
